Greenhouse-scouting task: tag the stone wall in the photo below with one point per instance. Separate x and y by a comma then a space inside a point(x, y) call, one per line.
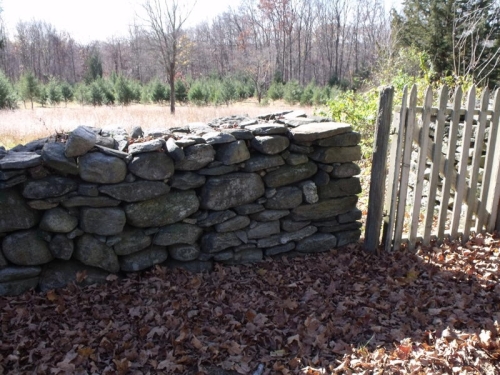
point(78, 207)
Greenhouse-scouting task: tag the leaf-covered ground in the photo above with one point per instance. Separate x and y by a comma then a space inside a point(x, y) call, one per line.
point(346, 312)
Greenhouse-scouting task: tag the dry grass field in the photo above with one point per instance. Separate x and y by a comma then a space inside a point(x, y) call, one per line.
point(23, 125)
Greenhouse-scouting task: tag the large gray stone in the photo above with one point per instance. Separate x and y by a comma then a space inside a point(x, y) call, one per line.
point(267, 129)
point(336, 154)
point(61, 247)
point(340, 227)
point(52, 186)
point(269, 215)
point(26, 248)
point(15, 214)
point(58, 220)
point(92, 252)
point(270, 144)
point(12, 182)
point(233, 153)
point(263, 229)
point(81, 140)
point(236, 223)
point(286, 198)
point(176, 234)
point(260, 162)
point(310, 191)
point(101, 169)
point(184, 252)
point(287, 174)
point(221, 193)
point(164, 210)
point(280, 249)
point(246, 256)
point(214, 218)
point(215, 242)
point(284, 238)
point(239, 133)
point(215, 138)
point(7, 175)
point(291, 226)
point(314, 131)
point(187, 180)
point(175, 152)
point(248, 209)
point(196, 157)
point(316, 243)
point(340, 188)
point(148, 146)
point(102, 221)
point(135, 191)
point(131, 241)
point(325, 209)
point(54, 157)
point(296, 159)
point(345, 170)
point(15, 288)
point(60, 273)
point(18, 273)
point(341, 140)
point(152, 166)
point(143, 259)
point(20, 160)
point(350, 216)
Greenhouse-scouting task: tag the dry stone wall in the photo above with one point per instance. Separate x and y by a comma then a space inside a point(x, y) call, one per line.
point(77, 207)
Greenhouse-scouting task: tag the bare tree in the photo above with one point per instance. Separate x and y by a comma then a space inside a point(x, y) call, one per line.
point(165, 20)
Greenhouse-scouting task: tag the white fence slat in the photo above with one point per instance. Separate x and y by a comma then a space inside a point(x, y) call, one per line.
point(422, 158)
point(436, 160)
point(450, 174)
point(476, 159)
point(464, 156)
point(405, 170)
point(494, 188)
point(396, 154)
point(491, 149)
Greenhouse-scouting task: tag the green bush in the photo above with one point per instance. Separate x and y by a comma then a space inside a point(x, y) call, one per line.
point(8, 98)
point(29, 88)
point(54, 92)
point(124, 91)
point(181, 92)
point(158, 92)
point(197, 94)
point(275, 91)
point(292, 92)
point(66, 92)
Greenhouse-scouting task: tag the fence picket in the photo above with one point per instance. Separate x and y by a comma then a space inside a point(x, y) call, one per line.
point(464, 156)
point(449, 171)
point(393, 177)
point(436, 160)
point(422, 157)
point(405, 169)
point(377, 185)
point(476, 159)
point(491, 150)
point(494, 189)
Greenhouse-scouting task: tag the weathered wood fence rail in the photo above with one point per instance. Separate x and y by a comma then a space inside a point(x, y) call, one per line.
point(443, 179)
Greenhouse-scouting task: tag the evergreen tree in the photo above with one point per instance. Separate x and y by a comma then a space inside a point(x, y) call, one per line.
point(66, 92)
point(7, 93)
point(459, 36)
point(93, 67)
point(29, 88)
point(54, 92)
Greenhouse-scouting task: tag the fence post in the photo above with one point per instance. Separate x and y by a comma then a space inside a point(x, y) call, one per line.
point(378, 173)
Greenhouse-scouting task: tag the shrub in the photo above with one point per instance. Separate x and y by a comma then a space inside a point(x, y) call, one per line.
point(54, 92)
point(8, 98)
point(292, 92)
point(29, 88)
point(275, 91)
point(66, 92)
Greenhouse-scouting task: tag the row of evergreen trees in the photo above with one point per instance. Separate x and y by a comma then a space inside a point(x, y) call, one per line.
point(119, 90)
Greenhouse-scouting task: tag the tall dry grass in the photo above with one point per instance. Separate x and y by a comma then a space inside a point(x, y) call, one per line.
point(24, 125)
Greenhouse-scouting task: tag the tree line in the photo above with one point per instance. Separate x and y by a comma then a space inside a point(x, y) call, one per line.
point(301, 50)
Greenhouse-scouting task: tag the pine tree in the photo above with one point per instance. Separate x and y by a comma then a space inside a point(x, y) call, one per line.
point(29, 88)
point(7, 93)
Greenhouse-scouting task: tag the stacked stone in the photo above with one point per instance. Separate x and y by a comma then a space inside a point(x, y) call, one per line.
point(101, 201)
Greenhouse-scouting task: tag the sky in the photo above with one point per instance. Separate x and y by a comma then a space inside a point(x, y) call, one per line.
point(90, 20)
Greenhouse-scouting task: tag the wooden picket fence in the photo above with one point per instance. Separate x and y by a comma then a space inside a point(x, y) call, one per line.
point(442, 179)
